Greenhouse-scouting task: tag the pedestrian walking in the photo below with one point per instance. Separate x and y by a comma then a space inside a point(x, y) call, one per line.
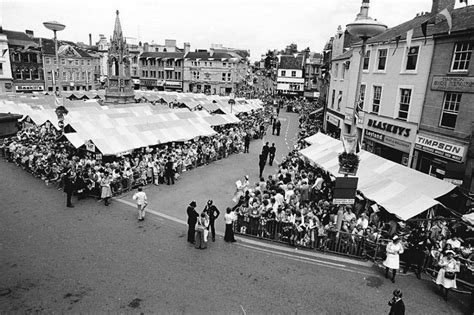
point(106, 191)
point(169, 171)
point(397, 306)
point(229, 219)
point(447, 274)
point(69, 184)
point(278, 127)
point(142, 202)
point(273, 126)
point(212, 213)
point(192, 220)
point(202, 224)
point(262, 163)
point(271, 154)
point(262, 130)
point(393, 249)
point(265, 151)
point(247, 142)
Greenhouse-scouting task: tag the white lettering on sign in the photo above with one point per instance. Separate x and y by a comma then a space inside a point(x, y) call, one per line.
point(439, 147)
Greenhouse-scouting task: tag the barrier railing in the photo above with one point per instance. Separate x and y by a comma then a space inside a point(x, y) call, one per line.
point(341, 243)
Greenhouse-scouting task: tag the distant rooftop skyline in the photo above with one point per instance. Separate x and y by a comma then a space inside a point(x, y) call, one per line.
point(255, 25)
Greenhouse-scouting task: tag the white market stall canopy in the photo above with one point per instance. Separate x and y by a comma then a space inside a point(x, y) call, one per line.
point(402, 191)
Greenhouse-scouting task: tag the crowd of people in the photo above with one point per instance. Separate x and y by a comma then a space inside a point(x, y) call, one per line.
point(44, 153)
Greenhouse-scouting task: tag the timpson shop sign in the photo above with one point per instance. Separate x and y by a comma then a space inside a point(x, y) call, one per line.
point(441, 148)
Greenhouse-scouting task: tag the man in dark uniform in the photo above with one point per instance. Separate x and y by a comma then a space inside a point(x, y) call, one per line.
point(271, 153)
point(262, 162)
point(415, 253)
point(69, 183)
point(213, 213)
point(169, 171)
point(265, 151)
point(278, 127)
point(192, 220)
point(247, 142)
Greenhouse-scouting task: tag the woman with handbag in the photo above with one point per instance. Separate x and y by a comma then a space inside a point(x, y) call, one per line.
point(447, 274)
point(393, 250)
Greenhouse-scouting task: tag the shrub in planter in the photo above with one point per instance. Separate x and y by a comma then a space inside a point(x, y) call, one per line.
point(349, 160)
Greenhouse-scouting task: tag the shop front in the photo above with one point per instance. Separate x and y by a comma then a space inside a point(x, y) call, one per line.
point(29, 87)
point(440, 158)
point(389, 138)
point(333, 125)
point(173, 85)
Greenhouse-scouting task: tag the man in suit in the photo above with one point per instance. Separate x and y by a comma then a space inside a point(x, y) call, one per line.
point(69, 184)
point(169, 171)
point(278, 127)
point(213, 213)
point(271, 153)
point(192, 220)
point(262, 162)
point(397, 306)
point(265, 151)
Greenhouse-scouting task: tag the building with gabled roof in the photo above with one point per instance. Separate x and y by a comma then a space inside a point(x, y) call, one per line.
point(213, 72)
point(26, 62)
point(161, 71)
point(290, 78)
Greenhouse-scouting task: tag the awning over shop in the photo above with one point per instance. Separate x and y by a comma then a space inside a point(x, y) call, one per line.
point(402, 191)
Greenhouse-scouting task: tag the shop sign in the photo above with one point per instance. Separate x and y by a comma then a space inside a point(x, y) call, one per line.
point(389, 141)
point(439, 147)
point(148, 82)
point(333, 120)
point(384, 126)
point(173, 83)
point(456, 84)
point(348, 118)
point(29, 87)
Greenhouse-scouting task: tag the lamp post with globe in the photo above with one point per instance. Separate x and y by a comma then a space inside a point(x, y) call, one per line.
point(364, 27)
point(55, 27)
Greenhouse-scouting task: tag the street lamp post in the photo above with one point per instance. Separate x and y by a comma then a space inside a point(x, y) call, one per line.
point(55, 27)
point(363, 27)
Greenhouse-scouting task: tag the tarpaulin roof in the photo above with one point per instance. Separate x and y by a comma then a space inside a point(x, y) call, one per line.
point(402, 191)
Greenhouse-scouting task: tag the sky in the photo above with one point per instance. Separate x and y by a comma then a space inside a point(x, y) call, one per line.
point(256, 25)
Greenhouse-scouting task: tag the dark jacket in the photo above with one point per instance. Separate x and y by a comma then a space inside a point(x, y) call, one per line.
point(272, 151)
point(396, 308)
point(69, 183)
point(212, 212)
point(192, 215)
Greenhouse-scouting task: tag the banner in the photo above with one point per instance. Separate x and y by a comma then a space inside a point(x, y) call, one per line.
point(349, 142)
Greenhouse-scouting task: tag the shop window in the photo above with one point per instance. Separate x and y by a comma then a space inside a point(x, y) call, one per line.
point(229, 76)
point(1, 68)
point(25, 57)
point(461, 57)
point(382, 59)
point(450, 111)
point(283, 73)
point(412, 58)
point(293, 73)
point(376, 99)
point(365, 65)
point(405, 97)
point(16, 57)
point(34, 74)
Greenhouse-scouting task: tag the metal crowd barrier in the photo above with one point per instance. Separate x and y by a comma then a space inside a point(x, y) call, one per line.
point(340, 243)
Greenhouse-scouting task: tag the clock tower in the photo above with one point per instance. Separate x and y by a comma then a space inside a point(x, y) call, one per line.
point(119, 87)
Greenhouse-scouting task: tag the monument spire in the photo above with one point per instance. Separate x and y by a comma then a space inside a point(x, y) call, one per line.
point(118, 36)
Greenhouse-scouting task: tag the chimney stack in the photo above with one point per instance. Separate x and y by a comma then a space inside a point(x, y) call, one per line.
point(30, 33)
point(440, 5)
point(187, 48)
point(90, 39)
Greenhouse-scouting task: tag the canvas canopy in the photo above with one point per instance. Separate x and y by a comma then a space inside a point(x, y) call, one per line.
point(402, 191)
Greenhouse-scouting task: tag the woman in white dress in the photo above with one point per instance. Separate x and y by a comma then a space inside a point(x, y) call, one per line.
point(447, 274)
point(394, 249)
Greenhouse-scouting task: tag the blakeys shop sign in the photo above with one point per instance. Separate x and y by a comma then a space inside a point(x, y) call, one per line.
point(389, 128)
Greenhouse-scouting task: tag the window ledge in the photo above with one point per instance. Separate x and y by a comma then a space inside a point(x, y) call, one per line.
point(409, 72)
point(380, 72)
point(458, 73)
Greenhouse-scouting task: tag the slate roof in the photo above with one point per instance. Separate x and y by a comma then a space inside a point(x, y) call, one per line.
point(290, 62)
point(463, 20)
point(19, 39)
point(178, 55)
point(346, 55)
point(48, 47)
point(205, 55)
